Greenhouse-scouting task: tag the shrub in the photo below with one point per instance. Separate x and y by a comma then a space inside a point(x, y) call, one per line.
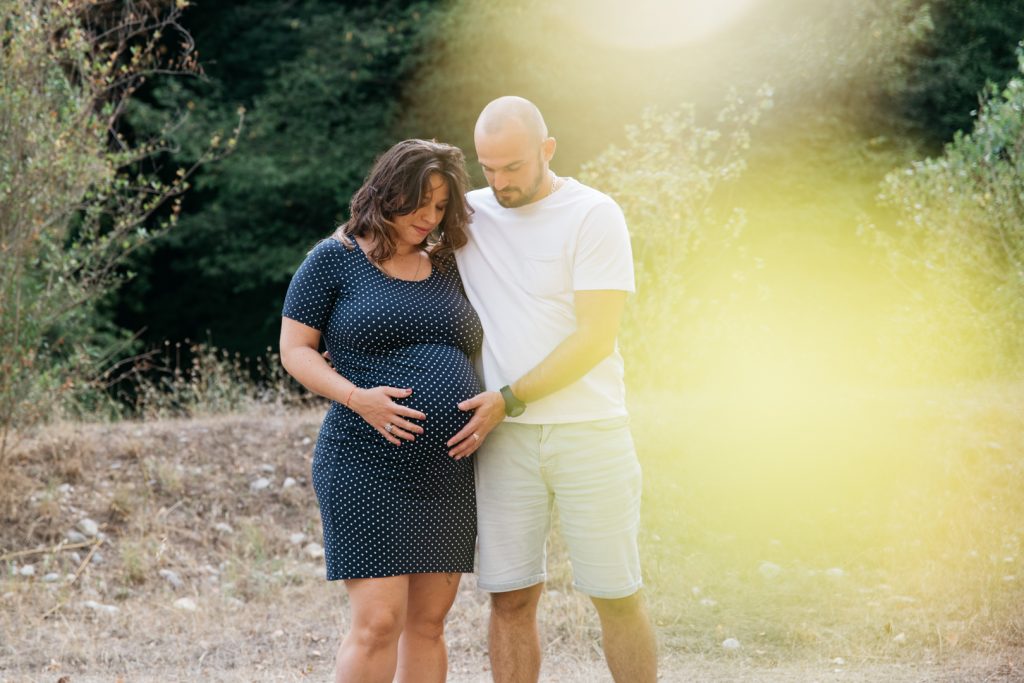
point(686, 247)
point(957, 243)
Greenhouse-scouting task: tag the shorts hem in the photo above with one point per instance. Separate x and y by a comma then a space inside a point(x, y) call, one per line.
point(610, 594)
point(506, 586)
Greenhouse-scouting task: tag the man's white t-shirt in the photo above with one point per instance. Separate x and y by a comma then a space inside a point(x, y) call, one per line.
point(520, 269)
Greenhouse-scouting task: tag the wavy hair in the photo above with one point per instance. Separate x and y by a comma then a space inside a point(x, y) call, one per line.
point(397, 185)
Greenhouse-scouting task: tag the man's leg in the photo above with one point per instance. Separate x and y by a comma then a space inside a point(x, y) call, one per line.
point(597, 481)
point(514, 638)
point(513, 520)
point(628, 639)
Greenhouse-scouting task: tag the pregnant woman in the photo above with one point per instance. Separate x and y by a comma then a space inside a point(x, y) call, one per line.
point(399, 514)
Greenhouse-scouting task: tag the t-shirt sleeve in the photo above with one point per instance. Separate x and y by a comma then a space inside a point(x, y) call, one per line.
point(314, 287)
point(604, 258)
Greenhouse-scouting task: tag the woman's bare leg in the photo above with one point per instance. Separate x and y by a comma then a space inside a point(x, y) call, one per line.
point(369, 652)
point(422, 655)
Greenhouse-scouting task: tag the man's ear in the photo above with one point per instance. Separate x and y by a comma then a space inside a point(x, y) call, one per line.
point(548, 149)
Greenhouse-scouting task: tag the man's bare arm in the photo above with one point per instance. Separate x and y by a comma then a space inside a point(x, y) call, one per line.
point(598, 316)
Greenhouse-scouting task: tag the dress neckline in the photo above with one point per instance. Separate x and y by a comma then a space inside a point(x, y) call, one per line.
point(388, 275)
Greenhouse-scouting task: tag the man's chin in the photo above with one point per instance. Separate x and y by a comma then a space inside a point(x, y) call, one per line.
point(510, 201)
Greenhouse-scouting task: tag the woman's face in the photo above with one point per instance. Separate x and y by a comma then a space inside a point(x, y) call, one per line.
point(412, 228)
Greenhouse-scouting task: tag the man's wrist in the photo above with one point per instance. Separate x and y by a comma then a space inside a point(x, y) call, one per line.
point(513, 406)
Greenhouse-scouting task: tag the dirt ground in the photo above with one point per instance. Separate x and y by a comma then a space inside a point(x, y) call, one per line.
point(223, 505)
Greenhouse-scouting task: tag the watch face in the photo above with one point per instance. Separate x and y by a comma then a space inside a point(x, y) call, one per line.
point(513, 406)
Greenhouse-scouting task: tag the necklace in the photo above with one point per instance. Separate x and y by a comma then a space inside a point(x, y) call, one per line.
point(419, 264)
point(555, 181)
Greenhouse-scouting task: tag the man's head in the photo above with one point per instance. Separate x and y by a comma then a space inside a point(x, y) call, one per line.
point(514, 150)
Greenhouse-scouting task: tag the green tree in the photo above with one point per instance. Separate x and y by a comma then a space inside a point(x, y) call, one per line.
point(669, 178)
point(320, 83)
point(74, 201)
point(957, 243)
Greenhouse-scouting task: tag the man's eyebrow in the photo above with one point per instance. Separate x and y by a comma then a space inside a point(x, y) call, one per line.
point(513, 163)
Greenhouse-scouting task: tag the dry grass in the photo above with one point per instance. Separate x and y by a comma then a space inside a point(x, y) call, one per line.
point(916, 496)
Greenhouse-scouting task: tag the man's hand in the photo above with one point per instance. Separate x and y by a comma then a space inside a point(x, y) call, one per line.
point(488, 410)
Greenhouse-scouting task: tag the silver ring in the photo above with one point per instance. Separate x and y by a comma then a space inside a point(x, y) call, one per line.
point(476, 436)
point(389, 428)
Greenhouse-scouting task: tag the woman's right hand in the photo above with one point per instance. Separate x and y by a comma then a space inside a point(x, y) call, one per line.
point(381, 412)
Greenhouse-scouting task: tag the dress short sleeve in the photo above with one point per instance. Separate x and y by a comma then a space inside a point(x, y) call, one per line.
point(315, 286)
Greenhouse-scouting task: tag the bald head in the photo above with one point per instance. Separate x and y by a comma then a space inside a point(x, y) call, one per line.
point(514, 150)
point(512, 112)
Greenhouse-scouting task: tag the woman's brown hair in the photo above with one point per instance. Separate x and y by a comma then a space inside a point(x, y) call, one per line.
point(396, 186)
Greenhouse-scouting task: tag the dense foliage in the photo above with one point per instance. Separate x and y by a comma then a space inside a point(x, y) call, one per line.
point(319, 82)
point(958, 243)
point(75, 199)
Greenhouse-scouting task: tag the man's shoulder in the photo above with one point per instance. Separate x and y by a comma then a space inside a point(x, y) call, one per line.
point(480, 196)
point(589, 195)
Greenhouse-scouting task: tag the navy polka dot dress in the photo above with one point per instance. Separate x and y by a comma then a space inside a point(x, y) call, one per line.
point(390, 510)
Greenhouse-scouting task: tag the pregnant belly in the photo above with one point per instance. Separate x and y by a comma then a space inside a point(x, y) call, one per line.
point(440, 377)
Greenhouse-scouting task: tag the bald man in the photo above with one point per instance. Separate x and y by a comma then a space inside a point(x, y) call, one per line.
point(547, 267)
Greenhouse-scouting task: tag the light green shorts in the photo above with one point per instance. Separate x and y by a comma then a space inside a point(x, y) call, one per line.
point(590, 471)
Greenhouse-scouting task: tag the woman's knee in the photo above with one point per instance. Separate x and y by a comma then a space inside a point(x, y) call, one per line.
point(378, 628)
point(426, 625)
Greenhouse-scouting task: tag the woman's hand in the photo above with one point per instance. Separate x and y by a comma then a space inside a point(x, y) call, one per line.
point(390, 419)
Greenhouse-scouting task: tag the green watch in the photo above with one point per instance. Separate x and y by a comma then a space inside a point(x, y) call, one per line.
point(513, 406)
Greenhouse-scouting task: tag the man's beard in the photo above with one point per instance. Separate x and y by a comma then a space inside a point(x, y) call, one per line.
point(523, 198)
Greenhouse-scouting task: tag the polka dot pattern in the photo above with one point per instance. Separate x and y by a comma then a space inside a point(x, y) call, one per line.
point(391, 510)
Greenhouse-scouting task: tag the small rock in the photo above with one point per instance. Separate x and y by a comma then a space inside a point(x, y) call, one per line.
point(297, 538)
point(88, 527)
point(172, 578)
point(277, 634)
point(731, 644)
point(695, 590)
point(187, 604)
point(97, 558)
point(900, 638)
point(288, 483)
point(314, 550)
point(839, 661)
point(27, 570)
point(259, 484)
point(100, 608)
point(65, 488)
point(76, 558)
point(75, 537)
point(769, 570)
point(52, 577)
point(707, 602)
point(306, 441)
point(835, 573)
point(224, 528)
point(266, 468)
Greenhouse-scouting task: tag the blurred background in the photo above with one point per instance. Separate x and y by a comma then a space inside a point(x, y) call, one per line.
point(826, 202)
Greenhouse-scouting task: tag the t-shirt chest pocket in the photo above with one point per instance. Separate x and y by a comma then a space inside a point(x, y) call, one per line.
point(546, 274)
